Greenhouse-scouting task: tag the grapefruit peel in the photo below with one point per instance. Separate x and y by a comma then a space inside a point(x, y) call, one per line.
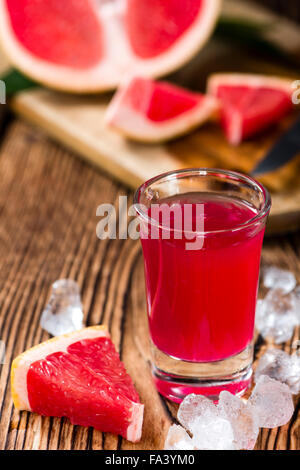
point(22, 363)
point(235, 112)
point(116, 53)
point(174, 113)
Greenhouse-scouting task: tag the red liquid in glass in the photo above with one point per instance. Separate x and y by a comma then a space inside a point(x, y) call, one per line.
point(201, 303)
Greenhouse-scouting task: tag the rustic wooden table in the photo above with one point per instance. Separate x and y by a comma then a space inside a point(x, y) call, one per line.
point(48, 201)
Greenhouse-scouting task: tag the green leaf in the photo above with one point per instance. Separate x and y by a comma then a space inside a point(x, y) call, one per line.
point(243, 26)
point(15, 82)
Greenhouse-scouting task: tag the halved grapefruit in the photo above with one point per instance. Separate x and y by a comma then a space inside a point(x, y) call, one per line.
point(152, 111)
point(250, 103)
point(79, 376)
point(88, 45)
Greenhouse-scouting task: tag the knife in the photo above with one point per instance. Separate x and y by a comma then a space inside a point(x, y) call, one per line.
point(283, 151)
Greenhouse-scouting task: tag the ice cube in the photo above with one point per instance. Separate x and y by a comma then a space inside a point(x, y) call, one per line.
point(210, 430)
point(63, 313)
point(213, 432)
point(269, 325)
point(279, 302)
point(2, 352)
point(262, 320)
point(272, 402)
point(178, 439)
point(276, 315)
point(283, 328)
point(274, 277)
point(260, 307)
point(280, 366)
point(296, 295)
point(192, 407)
point(243, 420)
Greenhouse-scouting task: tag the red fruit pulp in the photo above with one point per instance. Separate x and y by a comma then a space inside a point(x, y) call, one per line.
point(153, 26)
point(87, 384)
point(201, 303)
point(72, 26)
point(258, 107)
point(160, 101)
point(104, 359)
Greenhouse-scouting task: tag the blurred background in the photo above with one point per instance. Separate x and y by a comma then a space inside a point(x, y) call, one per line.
point(289, 8)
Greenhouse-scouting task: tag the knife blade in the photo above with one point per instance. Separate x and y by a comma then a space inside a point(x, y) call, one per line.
point(281, 153)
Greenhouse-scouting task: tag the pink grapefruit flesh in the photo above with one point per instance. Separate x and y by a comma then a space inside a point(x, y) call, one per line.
point(67, 27)
point(79, 376)
point(89, 45)
point(144, 19)
point(152, 111)
point(250, 103)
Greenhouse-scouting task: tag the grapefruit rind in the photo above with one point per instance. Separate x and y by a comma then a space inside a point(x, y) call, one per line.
point(21, 363)
point(185, 48)
point(55, 76)
point(136, 126)
point(106, 75)
point(251, 80)
point(134, 430)
point(234, 130)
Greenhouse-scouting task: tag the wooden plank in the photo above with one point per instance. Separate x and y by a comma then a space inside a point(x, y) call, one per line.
point(79, 123)
point(48, 202)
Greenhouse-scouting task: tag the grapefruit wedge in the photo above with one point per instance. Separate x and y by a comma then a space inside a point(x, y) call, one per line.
point(151, 111)
point(79, 376)
point(88, 45)
point(250, 103)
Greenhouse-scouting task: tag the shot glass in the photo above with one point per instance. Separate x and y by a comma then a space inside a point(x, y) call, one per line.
point(201, 233)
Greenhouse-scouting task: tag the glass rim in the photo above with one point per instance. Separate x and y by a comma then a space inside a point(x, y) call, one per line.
point(234, 175)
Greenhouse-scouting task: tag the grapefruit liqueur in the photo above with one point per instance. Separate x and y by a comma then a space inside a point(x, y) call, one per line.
point(202, 297)
point(201, 270)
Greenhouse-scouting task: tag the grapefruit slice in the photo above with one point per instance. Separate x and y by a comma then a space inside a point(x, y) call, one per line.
point(79, 376)
point(87, 45)
point(151, 111)
point(250, 103)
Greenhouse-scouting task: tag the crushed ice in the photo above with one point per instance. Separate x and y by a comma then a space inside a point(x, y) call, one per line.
point(280, 366)
point(178, 439)
point(63, 314)
point(274, 277)
point(232, 424)
point(272, 402)
point(279, 312)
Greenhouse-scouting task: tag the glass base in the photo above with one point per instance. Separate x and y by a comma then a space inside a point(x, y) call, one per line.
point(175, 379)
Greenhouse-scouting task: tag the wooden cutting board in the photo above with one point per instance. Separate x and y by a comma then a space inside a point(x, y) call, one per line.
point(78, 122)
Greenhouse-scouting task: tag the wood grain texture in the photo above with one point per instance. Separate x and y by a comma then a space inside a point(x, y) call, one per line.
point(48, 202)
